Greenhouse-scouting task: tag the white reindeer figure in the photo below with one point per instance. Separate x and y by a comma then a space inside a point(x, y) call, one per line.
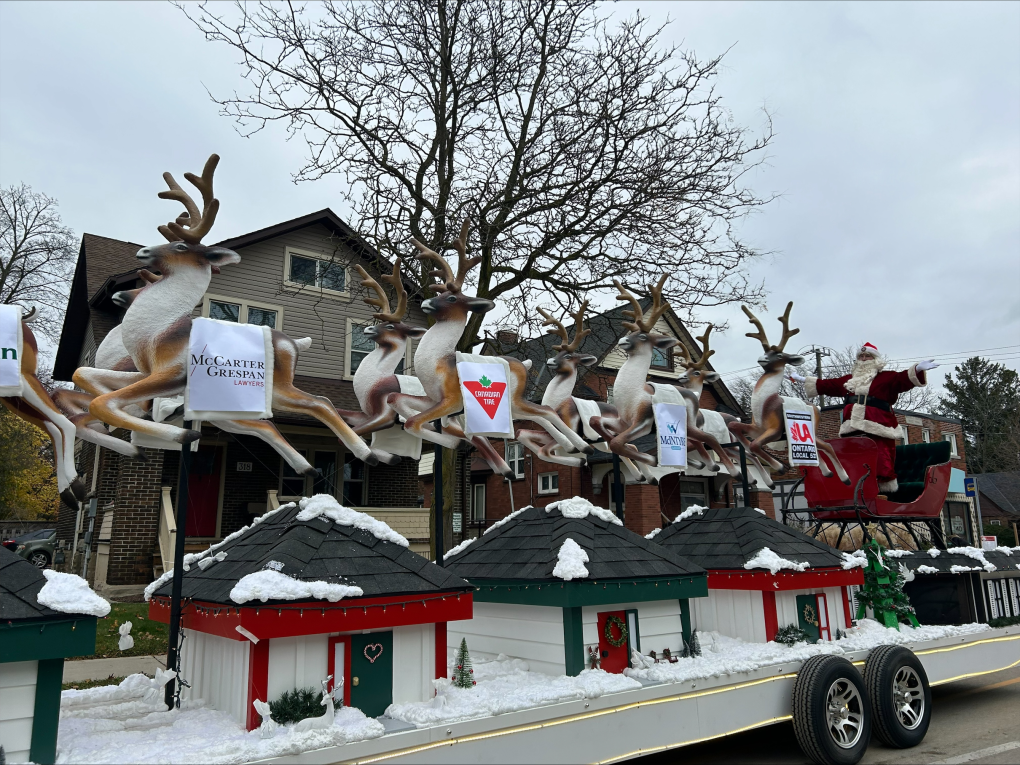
point(326, 719)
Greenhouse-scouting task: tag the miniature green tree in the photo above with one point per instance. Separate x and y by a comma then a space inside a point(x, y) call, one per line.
point(791, 634)
point(462, 669)
point(883, 591)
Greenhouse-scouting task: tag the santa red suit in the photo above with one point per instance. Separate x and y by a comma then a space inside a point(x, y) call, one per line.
point(869, 399)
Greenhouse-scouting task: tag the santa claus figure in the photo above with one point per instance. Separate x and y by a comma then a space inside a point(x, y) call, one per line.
point(870, 394)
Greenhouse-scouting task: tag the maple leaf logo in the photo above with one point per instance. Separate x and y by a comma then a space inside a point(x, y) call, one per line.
point(485, 381)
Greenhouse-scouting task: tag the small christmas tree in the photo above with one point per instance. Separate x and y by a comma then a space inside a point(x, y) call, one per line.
point(883, 591)
point(791, 634)
point(462, 669)
point(692, 648)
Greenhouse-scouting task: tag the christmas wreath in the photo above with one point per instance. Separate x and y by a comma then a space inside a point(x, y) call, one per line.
point(607, 631)
point(809, 615)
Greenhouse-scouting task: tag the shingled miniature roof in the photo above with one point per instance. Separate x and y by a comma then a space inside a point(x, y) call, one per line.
point(1005, 560)
point(20, 583)
point(726, 538)
point(319, 549)
point(526, 547)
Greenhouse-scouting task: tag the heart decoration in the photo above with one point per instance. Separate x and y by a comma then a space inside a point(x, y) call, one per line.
point(377, 650)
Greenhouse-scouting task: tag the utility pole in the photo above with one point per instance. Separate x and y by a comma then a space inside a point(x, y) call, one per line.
point(819, 352)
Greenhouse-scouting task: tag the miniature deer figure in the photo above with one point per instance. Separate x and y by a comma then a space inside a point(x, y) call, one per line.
point(326, 719)
point(767, 421)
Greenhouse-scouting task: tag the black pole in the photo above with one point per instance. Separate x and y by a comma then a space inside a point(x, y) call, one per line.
point(181, 522)
point(743, 476)
point(437, 497)
point(617, 487)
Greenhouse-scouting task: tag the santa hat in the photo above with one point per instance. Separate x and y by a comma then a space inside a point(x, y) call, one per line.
point(869, 348)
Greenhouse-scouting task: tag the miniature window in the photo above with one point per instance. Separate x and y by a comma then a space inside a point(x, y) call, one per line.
point(515, 458)
point(548, 483)
point(951, 438)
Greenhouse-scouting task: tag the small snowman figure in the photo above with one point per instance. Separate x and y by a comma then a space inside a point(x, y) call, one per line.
point(126, 641)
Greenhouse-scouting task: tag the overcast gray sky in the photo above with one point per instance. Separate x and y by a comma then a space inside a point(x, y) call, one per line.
point(897, 152)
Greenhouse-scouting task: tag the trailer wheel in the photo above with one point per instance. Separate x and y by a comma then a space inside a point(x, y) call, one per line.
point(831, 711)
point(900, 696)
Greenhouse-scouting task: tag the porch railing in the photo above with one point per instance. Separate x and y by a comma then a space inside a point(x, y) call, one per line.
point(167, 530)
point(272, 501)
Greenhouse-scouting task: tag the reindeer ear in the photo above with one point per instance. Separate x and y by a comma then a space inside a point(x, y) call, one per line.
point(587, 360)
point(416, 332)
point(709, 376)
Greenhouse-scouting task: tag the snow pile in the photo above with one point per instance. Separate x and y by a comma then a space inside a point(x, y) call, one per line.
point(70, 594)
point(145, 732)
point(570, 561)
point(270, 584)
point(976, 554)
point(652, 534)
point(132, 689)
point(722, 655)
point(505, 685)
point(579, 507)
point(459, 548)
point(323, 505)
point(690, 512)
point(503, 521)
point(926, 570)
point(963, 569)
point(897, 553)
point(856, 559)
point(934, 552)
point(765, 558)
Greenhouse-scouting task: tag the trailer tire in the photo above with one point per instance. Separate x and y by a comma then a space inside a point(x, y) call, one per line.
point(900, 696)
point(831, 711)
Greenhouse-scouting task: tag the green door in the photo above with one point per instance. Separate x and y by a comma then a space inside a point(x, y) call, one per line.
point(807, 616)
point(372, 672)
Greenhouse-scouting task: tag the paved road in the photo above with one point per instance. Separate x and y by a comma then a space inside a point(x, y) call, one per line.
point(973, 721)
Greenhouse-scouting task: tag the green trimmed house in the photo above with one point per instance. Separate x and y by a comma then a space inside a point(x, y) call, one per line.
point(34, 641)
point(560, 584)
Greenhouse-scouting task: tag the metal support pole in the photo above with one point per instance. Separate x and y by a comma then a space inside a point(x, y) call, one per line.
point(87, 552)
point(617, 487)
point(437, 498)
point(818, 374)
point(745, 484)
point(172, 659)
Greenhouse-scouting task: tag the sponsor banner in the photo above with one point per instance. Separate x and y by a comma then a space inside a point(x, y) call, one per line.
point(486, 394)
point(800, 437)
point(10, 350)
point(671, 429)
point(230, 371)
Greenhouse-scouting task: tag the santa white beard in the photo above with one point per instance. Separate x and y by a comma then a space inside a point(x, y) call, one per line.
point(862, 375)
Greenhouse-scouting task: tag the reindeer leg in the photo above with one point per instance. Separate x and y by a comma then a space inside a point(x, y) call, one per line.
point(621, 444)
point(707, 439)
point(490, 455)
point(419, 422)
point(109, 407)
point(543, 446)
point(290, 399)
point(60, 429)
point(74, 405)
point(826, 447)
point(267, 431)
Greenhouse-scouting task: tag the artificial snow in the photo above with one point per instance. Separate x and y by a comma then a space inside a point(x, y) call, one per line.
point(324, 505)
point(934, 552)
point(897, 553)
point(926, 570)
point(579, 507)
point(502, 686)
point(690, 512)
point(459, 548)
point(271, 584)
point(504, 521)
point(139, 729)
point(70, 594)
point(963, 569)
point(856, 559)
point(976, 554)
point(570, 561)
point(765, 558)
point(652, 534)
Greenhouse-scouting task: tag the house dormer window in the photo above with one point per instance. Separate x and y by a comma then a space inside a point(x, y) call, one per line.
point(662, 359)
point(304, 269)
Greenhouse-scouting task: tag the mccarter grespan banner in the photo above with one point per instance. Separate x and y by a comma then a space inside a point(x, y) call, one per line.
point(10, 350)
point(230, 374)
point(671, 428)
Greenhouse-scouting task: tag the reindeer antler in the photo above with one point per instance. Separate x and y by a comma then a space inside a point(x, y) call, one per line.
point(760, 334)
point(558, 329)
point(787, 332)
point(639, 322)
point(705, 351)
point(579, 334)
point(444, 273)
point(382, 301)
point(197, 223)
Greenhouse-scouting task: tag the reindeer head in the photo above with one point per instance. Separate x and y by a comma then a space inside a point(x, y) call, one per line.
point(641, 339)
point(774, 359)
point(450, 303)
point(390, 333)
point(184, 249)
point(697, 372)
point(568, 359)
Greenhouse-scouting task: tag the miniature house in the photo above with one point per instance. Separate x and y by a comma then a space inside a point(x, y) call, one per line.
point(309, 590)
point(554, 582)
point(752, 592)
point(34, 641)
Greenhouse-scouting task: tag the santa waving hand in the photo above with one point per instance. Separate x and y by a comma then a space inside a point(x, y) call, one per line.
point(870, 393)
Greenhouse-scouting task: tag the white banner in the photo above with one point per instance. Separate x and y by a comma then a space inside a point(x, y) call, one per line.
point(671, 428)
point(800, 437)
point(485, 389)
point(230, 371)
point(10, 350)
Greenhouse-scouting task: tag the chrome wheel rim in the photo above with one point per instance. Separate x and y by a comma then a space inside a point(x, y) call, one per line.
point(844, 711)
point(908, 695)
point(39, 560)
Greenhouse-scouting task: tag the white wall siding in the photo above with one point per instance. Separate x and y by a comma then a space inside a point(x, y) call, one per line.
point(786, 607)
point(659, 625)
point(414, 662)
point(736, 613)
point(17, 707)
point(217, 669)
point(297, 662)
point(531, 633)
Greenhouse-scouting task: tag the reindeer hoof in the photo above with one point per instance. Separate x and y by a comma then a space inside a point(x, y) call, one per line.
point(78, 490)
point(371, 459)
point(386, 458)
point(140, 455)
point(310, 472)
point(188, 436)
point(67, 496)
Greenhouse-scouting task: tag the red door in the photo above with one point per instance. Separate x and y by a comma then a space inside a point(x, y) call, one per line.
point(203, 492)
point(615, 658)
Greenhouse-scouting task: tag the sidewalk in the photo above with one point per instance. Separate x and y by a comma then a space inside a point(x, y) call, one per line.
point(100, 669)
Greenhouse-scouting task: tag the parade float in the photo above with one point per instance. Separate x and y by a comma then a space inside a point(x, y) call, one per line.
point(601, 661)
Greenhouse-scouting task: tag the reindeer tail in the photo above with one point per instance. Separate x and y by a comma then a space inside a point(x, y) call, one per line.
point(303, 344)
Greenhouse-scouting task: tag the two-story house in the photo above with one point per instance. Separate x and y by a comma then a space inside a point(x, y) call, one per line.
point(297, 277)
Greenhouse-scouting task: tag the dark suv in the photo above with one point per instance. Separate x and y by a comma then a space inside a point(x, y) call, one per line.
point(38, 547)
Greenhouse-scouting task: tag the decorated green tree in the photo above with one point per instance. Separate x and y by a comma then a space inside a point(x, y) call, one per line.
point(462, 669)
point(883, 591)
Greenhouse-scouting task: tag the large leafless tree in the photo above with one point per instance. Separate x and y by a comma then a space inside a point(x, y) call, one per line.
point(37, 255)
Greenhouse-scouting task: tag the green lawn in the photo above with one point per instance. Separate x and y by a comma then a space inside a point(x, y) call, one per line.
point(150, 636)
point(81, 685)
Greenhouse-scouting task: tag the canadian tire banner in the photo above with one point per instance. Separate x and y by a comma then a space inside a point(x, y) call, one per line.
point(800, 437)
point(230, 371)
point(486, 394)
point(10, 350)
point(671, 428)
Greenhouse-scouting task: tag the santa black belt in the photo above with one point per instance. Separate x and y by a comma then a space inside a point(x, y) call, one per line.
point(867, 401)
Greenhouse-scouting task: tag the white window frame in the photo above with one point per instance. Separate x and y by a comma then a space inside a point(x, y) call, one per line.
point(477, 513)
point(905, 435)
point(349, 347)
point(519, 461)
point(298, 287)
point(609, 393)
point(925, 435)
point(245, 304)
point(551, 489)
point(953, 449)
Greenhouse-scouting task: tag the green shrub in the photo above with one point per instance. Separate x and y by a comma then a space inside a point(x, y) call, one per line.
point(294, 706)
point(1004, 621)
point(791, 634)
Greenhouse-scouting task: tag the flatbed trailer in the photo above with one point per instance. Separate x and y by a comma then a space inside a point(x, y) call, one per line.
point(662, 716)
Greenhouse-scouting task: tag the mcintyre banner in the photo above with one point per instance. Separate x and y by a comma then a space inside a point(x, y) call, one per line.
point(800, 436)
point(230, 371)
point(671, 429)
point(485, 388)
point(10, 350)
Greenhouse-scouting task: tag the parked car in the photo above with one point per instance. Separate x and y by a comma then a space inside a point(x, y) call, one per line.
point(38, 547)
